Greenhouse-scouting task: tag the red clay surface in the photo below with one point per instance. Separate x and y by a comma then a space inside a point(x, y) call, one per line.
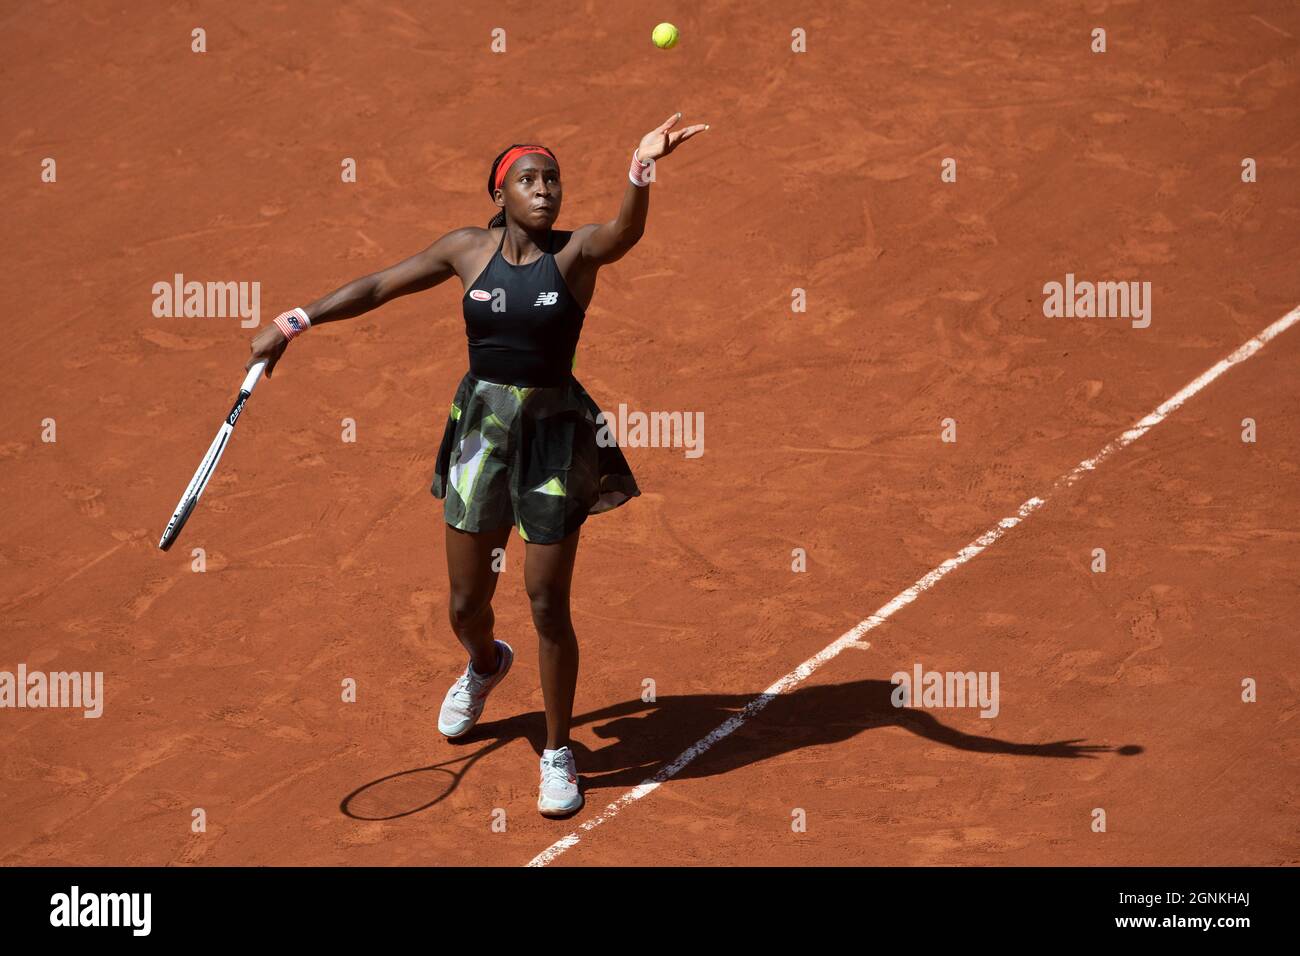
point(821, 172)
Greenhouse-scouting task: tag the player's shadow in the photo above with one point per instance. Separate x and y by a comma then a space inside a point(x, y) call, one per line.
point(648, 737)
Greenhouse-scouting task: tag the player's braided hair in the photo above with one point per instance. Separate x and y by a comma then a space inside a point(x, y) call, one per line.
point(500, 218)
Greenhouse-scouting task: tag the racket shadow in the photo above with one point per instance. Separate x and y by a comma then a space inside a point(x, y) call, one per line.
point(407, 792)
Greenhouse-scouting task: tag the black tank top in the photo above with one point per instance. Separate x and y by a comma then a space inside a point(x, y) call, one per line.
point(522, 322)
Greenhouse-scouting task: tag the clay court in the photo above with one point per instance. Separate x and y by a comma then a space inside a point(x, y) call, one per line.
point(1120, 690)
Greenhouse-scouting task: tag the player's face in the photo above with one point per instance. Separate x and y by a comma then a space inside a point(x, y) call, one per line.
point(532, 191)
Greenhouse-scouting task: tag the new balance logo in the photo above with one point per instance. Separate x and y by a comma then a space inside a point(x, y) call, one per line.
point(546, 298)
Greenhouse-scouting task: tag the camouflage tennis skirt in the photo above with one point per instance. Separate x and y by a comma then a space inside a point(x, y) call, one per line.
point(528, 457)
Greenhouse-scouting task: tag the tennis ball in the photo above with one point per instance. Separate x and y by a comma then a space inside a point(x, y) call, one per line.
point(665, 36)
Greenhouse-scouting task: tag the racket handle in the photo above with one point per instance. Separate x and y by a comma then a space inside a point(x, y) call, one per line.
point(251, 378)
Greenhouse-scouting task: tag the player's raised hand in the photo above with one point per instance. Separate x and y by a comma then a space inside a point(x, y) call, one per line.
point(661, 141)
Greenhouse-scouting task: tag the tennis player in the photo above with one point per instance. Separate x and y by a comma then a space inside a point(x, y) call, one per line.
point(520, 447)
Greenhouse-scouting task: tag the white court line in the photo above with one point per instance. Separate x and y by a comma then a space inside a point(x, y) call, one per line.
point(851, 638)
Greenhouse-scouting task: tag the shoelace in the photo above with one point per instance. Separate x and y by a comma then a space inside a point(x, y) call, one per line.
point(467, 688)
point(557, 769)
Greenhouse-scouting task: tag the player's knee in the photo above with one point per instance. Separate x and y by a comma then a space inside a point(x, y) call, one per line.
point(550, 611)
point(463, 609)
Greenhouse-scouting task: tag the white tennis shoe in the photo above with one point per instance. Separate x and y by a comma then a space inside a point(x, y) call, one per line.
point(463, 705)
point(558, 795)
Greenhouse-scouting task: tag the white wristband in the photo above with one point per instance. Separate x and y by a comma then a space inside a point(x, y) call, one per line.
point(292, 323)
point(641, 174)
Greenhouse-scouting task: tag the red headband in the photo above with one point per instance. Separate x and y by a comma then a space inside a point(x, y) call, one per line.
point(509, 159)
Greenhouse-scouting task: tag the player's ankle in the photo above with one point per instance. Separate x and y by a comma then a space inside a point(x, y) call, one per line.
point(496, 652)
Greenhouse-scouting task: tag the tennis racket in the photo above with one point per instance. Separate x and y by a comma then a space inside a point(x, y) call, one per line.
point(209, 463)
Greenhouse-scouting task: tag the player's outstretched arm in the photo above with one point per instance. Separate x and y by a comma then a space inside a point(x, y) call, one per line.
point(608, 242)
point(415, 274)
